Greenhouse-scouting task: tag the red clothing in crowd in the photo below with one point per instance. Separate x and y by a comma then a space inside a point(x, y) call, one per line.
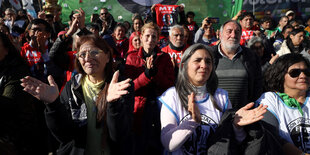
point(31, 55)
point(135, 69)
point(121, 47)
point(174, 53)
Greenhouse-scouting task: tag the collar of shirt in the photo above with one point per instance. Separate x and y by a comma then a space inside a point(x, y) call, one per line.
point(239, 50)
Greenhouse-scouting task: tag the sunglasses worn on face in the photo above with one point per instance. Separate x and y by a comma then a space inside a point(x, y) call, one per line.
point(93, 53)
point(103, 13)
point(296, 72)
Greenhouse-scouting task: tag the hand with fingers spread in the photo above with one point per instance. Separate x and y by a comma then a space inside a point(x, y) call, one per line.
point(149, 62)
point(117, 89)
point(41, 90)
point(193, 108)
point(244, 116)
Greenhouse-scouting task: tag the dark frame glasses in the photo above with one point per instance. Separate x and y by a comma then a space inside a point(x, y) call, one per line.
point(296, 72)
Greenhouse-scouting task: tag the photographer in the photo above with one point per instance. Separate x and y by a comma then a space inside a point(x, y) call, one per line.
point(205, 33)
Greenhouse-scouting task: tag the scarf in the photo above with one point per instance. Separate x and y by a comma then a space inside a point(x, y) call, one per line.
point(291, 102)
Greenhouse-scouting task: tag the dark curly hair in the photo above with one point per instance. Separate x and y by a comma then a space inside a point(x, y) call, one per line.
point(274, 75)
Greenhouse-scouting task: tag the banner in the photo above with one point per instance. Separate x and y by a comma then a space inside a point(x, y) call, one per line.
point(122, 10)
point(15, 4)
point(278, 8)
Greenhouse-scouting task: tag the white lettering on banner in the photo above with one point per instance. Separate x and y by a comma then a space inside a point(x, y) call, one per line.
point(262, 2)
point(166, 8)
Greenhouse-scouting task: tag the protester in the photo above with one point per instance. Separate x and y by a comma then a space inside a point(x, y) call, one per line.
point(287, 86)
point(18, 132)
point(95, 117)
point(106, 18)
point(121, 41)
point(192, 109)
point(176, 45)
point(257, 46)
point(205, 33)
point(134, 42)
point(152, 73)
point(282, 36)
point(237, 67)
point(293, 43)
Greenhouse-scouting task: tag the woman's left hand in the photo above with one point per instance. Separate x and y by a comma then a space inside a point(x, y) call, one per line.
point(244, 116)
point(117, 89)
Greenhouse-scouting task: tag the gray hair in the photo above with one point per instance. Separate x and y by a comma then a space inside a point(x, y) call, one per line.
point(175, 27)
point(230, 21)
point(254, 40)
point(184, 87)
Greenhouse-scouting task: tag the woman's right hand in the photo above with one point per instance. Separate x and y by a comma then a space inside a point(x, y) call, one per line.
point(193, 108)
point(40, 90)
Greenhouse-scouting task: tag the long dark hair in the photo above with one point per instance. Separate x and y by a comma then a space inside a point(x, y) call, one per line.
point(184, 87)
point(101, 102)
point(289, 41)
point(274, 75)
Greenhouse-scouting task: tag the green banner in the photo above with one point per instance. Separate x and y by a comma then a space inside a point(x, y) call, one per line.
point(122, 10)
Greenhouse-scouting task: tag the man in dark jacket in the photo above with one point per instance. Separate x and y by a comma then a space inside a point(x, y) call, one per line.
point(237, 68)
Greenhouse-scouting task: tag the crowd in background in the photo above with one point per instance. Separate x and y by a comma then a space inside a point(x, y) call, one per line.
point(138, 88)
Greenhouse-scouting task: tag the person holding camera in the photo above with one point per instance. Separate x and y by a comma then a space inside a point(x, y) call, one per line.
point(205, 33)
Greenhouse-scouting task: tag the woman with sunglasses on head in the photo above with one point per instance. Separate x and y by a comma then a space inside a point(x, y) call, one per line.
point(93, 113)
point(191, 111)
point(287, 82)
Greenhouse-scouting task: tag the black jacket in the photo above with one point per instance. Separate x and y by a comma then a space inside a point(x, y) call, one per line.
point(252, 65)
point(65, 119)
point(259, 141)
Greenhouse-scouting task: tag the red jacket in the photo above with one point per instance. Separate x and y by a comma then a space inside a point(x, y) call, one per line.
point(164, 78)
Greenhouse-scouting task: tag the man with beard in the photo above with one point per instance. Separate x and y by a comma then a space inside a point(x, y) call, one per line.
point(176, 45)
point(237, 67)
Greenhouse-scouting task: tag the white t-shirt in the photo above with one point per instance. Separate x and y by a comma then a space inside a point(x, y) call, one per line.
point(293, 127)
point(180, 133)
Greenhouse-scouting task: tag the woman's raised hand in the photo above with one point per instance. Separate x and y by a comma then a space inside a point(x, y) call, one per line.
point(117, 89)
point(193, 108)
point(40, 90)
point(244, 116)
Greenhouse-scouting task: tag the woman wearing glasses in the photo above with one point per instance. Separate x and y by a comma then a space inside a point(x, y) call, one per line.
point(94, 111)
point(287, 83)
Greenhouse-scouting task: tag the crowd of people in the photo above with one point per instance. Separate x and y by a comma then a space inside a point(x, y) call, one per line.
point(140, 88)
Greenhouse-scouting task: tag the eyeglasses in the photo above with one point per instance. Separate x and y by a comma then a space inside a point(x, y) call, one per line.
point(104, 13)
point(296, 72)
point(93, 53)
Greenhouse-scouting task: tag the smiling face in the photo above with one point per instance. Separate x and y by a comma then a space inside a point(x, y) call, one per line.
point(299, 83)
point(137, 24)
point(92, 64)
point(199, 67)
point(119, 32)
